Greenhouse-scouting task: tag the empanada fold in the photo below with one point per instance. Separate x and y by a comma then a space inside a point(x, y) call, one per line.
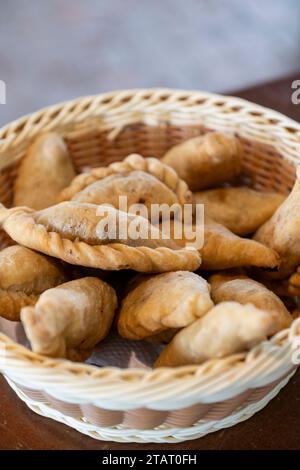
point(21, 226)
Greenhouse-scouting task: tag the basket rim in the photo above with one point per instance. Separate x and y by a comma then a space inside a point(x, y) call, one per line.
point(9, 131)
point(18, 358)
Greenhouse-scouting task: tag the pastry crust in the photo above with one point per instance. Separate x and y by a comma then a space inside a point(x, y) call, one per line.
point(294, 283)
point(24, 275)
point(70, 231)
point(163, 302)
point(207, 160)
point(227, 329)
point(242, 289)
point(163, 173)
point(44, 171)
point(69, 320)
point(282, 231)
point(242, 210)
point(222, 249)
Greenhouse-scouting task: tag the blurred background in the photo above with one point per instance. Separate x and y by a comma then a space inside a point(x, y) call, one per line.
point(55, 50)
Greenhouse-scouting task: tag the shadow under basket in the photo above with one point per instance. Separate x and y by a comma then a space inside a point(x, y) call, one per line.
point(136, 403)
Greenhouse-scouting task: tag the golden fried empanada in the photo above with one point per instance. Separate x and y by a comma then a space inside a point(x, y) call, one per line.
point(161, 180)
point(294, 283)
point(282, 231)
point(163, 302)
point(44, 172)
point(69, 320)
point(137, 186)
point(79, 233)
point(227, 329)
point(242, 289)
point(222, 249)
point(242, 210)
point(24, 275)
point(206, 161)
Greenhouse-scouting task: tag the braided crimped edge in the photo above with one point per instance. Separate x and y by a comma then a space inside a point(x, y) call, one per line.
point(133, 162)
point(19, 223)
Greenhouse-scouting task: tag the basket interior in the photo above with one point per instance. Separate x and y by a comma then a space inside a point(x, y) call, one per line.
point(263, 168)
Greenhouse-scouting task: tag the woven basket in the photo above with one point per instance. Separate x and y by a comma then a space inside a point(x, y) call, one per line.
point(162, 405)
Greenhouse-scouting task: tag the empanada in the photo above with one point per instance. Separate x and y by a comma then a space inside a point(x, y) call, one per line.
point(282, 231)
point(163, 302)
point(137, 187)
point(24, 275)
point(227, 329)
point(280, 287)
point(223, 249)
point(207, 160)
point(79, 233)
point(44, 172)
point(69, 320)
point(242, 289)
point(161, 183)
point(242, 210)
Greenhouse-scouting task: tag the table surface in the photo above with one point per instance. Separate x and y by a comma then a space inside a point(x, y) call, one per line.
point(275, 427)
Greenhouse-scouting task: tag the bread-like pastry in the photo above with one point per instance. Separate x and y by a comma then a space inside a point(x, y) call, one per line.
point(44, 171)
point(24, 275)
point(294, 283)
point(242, 210)
point(162, 182)
point(207, 160)
point(222, 249)
point(227, 329)
point(69, 320)
point(79, 233)
point(282, 231)
point(163, 302)
point(242, 289)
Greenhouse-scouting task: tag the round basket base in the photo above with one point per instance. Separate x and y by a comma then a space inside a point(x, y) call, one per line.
point(160, 434)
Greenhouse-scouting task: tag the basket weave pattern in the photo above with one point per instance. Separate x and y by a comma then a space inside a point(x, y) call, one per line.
point(163, 405)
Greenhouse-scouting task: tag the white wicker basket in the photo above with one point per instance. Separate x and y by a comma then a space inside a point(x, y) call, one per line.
point(162, 405)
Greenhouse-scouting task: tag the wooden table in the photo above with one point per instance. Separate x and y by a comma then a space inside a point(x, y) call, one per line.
point(275, 427)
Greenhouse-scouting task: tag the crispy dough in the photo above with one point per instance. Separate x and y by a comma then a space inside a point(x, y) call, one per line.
point(72, 231)
point(280, 287)
point(206, 161)
point(69, 320)
point(242, 289)
point(137, 186)
point(163, 302)
point(24, 275)
point(223, 249)
point(227, 329)
point(44, 172)
point(153, 167)
point(282, 231)
point(242, 210)
point(294, 283)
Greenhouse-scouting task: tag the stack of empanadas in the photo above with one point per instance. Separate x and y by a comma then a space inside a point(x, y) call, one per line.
point(201, 302)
